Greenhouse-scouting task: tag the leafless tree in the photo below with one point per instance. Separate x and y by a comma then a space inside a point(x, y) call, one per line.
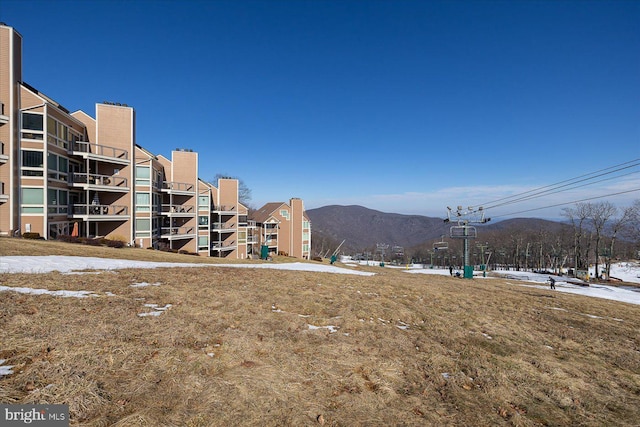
point(577, 217)
point(599, 213)
point(618, 224)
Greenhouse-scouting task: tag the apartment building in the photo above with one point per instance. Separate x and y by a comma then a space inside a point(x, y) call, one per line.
point(283, 228)
point(71, 173)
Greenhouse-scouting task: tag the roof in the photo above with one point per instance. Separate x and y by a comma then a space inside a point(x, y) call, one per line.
point(266, 211)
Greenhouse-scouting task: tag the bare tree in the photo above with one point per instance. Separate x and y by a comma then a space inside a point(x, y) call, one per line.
point(632, 228)
point(244, 192)
point(619, 224)
point(577, 217)
point(599, 213)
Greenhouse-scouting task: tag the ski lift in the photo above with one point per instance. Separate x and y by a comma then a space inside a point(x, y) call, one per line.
point(441, 245)
point(463, 232)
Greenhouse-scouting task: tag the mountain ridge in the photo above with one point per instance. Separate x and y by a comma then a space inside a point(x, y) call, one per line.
point(362, 228)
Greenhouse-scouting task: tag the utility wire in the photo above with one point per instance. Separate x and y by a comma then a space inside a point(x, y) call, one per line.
point(558, 190)
point(540, 191)
point(567, 203)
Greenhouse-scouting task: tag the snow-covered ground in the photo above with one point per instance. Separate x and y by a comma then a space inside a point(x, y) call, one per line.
point(629, 272)
point(73, 264)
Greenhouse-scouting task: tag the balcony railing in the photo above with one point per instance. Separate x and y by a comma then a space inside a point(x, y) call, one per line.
point(100, 210)
point(3, 118)
point(3, 157)
point(227, 245)
point(97, 179)
point(89, 149)
point(178, 209)
point(3, 196)
point(178, 231)
point(183, 187)
point(224, 208)
point(222, 226)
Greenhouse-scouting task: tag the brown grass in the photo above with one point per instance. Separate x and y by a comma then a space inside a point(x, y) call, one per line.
point(235, 348)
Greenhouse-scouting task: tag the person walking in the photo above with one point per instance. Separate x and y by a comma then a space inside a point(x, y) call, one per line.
point(552, 282)
point(450, 270)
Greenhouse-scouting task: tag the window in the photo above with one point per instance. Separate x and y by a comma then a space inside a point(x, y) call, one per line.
point(32, 163)
point(284, 213)
point(143, 202)
point(32, 159)
point(32, 121)
point(143, 227)
point(32, 196)
point(143, 175)
point(63, 164)
point(242, 237)
point(203, 203)
point(203, 220)
point(203, 242)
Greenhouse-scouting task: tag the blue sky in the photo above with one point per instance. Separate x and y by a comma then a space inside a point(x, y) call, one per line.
point(400, 106)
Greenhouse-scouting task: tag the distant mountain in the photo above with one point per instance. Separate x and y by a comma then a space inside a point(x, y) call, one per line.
point(363, 228)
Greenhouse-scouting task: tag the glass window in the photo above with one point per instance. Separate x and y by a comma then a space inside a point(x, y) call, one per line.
point(32, 159)
point(52, 162)
point(203, 202)
point(63, 164)
point(52, 197)
point(143, 201)
point(32, 210)
point(203, 220)
point(51, 126)
point(33, 196)
point(143, 224)
point(32, 121)
point(143, 175)
point(284, 213)
point(203, 242)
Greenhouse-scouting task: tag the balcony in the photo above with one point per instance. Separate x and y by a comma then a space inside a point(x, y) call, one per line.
point(4, 119)
point(176, 233)
point(224, 246)
point(183, 188)
point(4, 158)
point(4, 197)
point(94, 181)
point(100, 212)
point(103, 153)
point(223, 227)
point(222, 209)
point(178, 210)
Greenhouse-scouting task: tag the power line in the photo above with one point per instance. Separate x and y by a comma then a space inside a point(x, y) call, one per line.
point(567, 203)
point(540, 191)
point(557, 190)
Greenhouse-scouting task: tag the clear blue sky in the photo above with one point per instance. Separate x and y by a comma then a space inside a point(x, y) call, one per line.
point(400, 106)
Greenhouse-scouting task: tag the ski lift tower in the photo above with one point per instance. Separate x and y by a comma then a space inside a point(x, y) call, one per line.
point(382, 248)
point(464, 230)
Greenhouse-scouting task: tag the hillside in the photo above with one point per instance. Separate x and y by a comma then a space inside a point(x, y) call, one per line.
point(218, 346)
point(362, 227)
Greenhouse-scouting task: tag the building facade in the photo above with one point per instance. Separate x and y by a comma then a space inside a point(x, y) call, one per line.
point(71, 173)
point(283, 228)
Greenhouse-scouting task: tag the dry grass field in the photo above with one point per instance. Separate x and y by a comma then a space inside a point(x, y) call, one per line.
point(255, 347)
